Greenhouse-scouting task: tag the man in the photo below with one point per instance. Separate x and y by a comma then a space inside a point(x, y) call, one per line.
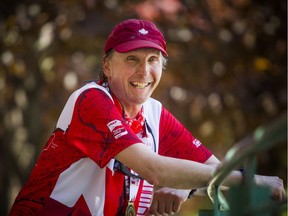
point(113, 142)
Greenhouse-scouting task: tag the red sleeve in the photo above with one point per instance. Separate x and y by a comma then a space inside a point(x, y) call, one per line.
point(97, 129)
point(176, 141)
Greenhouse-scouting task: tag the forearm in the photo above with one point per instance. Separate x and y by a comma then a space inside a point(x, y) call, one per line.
point(186, 174)
point(183, 174)
point(165, 171)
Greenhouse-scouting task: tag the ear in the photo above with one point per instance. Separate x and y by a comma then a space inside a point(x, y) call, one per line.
point(106, 66)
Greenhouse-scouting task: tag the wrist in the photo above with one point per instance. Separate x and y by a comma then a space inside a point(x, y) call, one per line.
point(191, 193)
point(246, 178)
point(243, 174)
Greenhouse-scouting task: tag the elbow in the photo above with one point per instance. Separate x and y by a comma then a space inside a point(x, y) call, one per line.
point(152, 178)
point(155, 176)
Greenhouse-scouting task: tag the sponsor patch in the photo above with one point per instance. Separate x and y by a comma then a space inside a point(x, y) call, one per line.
point(117, 128)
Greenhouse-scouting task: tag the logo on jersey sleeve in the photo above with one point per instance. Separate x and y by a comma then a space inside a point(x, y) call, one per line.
point(117, 128)
point(197, 143)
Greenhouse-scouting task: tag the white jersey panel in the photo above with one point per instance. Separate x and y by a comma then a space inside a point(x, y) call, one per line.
point(86, 178)
point(152, 113)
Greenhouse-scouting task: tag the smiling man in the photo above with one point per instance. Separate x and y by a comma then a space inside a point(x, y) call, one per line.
point(135, 77)
point(113, 143)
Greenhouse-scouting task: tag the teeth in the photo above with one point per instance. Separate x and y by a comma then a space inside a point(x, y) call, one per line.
point(139, 84)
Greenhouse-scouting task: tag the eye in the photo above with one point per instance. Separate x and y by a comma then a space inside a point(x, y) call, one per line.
point(131, 58)
point(153, 59)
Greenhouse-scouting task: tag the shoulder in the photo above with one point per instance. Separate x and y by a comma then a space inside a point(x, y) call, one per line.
point(89, 97)
point(91, 92)
point(94, 88)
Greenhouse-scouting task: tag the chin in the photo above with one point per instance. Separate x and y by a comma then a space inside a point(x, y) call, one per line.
point(141, 101)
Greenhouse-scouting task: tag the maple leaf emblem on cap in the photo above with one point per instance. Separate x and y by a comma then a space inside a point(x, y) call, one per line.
point(143, 31)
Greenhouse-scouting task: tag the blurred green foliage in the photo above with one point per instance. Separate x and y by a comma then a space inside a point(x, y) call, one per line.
point(227, 71)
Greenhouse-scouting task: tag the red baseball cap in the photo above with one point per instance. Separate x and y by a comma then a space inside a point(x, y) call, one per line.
point(133, 34)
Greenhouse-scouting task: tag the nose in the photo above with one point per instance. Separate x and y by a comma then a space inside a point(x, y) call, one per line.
point(143, 68)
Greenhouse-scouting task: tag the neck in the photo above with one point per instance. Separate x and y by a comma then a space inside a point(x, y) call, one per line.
point(131, 110)
point(128, 109)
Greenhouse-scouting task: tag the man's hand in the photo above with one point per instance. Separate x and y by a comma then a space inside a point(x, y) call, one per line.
point(275, 184)
point(167, 201)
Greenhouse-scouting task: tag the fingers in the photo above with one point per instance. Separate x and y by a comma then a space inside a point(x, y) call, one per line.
point(167, 201)
point(278, 191)
point(279, 195)
point(275, 184)
point(163, 208)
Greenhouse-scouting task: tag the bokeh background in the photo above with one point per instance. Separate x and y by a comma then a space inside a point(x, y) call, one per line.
point(226, 73)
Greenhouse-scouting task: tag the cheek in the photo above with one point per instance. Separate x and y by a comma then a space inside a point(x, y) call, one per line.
point(119, 75)
point(158, 73)
point(122, 73)
point(115, 72)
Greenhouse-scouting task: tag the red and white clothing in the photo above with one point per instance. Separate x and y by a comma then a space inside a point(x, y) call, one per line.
point(74, 174)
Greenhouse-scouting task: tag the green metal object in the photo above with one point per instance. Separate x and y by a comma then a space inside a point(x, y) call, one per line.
point(248, 199)
point(244, 200)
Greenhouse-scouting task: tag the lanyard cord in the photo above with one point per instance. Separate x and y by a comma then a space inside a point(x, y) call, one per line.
point(150, 131)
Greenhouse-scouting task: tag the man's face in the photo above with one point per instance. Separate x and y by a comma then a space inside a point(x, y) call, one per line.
point(133, 76)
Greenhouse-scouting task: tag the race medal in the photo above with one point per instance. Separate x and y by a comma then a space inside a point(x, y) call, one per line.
point(130, 210)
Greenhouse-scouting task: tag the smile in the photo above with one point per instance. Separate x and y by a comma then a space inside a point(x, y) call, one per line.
point(140, 84)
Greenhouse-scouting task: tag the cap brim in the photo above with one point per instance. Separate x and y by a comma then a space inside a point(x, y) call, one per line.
point(137, 44)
